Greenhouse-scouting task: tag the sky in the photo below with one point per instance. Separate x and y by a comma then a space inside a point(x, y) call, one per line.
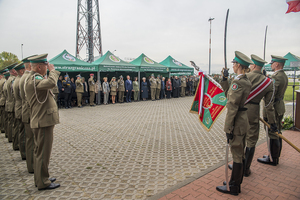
point(157, 28)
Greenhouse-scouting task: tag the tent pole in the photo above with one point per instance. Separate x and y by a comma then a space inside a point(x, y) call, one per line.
point(169, 74)
point(99, 92)
point(139, 78)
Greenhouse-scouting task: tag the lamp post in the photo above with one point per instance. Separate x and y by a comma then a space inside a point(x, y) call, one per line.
point(22, 50)
point(210, 19)
point(114, 51)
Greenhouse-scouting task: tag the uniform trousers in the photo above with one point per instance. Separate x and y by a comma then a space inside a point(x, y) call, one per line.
point(252, 135)
point(182, 91)
point(157, 93)
point(29, 147)
point(22, 138)
point(121, 96)
point(6, 123)
point(153, 93)
point(42, 152)
point(2, 113)
point(10, 121)
point(79, 98)
point(15, 133)
point(92, 98)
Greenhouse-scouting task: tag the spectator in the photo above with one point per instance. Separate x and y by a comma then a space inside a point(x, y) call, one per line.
point(79, 90)
point(169, 88)
point(106, 90)
point(136, 89)
point(113, 89)
point(73, 93)
point(128, 88)
point(98, 89)
point(85, 92)
point(59, 85)
point(92, 89)
point(67, 88)
point(162, 92)
point(176, 86)
point(144, 89)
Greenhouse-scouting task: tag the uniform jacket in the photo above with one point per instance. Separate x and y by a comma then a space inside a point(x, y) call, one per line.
point(18, 99)
point(42, 114)
point(128, 85)
point(105, 87)
point(281, 83)
point(55, 90)
point(256, 78)
point(2, 97)
point(136, 86)
point(152, 82)
point(158, 83)
point(236, 121)
point(79, 86)
point(121, 85)
point(97, 87)
point(183, 82)
point(113, 86)
point(67, 86)
point(91, 85)
point(25, 104)
point(10, 100)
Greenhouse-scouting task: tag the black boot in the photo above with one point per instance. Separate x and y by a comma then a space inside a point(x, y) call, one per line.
point(235, 180)
point(248, 160)
point(275, 148)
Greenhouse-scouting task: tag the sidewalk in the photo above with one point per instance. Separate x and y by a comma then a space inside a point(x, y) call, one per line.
point(265, 182)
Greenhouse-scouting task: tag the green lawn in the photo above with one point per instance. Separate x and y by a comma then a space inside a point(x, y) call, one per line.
point(288, 96)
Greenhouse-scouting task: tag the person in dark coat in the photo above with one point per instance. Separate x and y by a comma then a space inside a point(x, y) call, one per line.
point(128, 88)
point(169, 88)
point(144, 89)
point(60, 94)
point(163, 87)
point(176, 87)
point(67, 88)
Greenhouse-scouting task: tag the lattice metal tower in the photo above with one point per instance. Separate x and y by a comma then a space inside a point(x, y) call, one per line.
point(88, 32)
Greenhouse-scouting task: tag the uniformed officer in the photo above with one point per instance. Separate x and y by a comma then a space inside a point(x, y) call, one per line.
point(121, 89)
point(3, 103)
point(44, 116)
point(281, 83)
point(19, 128)
point(79, 90)
point(158, 87)
point(67, 88)
point(183, 85)
point(153, 87)
point(258, 80)
point(236, 121)
point(92, 89)
point(113, 89)
point(10, 106)
point(26, 117)
point(2, 100)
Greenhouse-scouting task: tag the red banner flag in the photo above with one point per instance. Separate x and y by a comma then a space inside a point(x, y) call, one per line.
point(294, 6)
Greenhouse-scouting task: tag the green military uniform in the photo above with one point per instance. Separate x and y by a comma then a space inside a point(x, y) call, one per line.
point(153, 86)
point(136, 90)
point(158, 87)
point(183, 86)
point(55, 91)
point(2, 102)
point(121, 89)
point(19, 128)
point(92, 90)
point(281, 82)
point(236, 121)
point(9, 107)
point(113, 87)
point(44, 116)
point(79, 91)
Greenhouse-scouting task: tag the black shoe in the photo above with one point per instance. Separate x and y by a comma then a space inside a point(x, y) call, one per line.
point(268, 161)
point(2, 131)
point(31, 172)
point(233, 190)
point(66, 107)
point(230, 166)
point(224, 183)
point(52, 179)
point(70, 106)
point(23, 158)
point(51, 186)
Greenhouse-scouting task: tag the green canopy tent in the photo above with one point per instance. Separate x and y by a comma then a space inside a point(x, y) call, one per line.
point(287, 65)
point(176, 67)
point(66, 62)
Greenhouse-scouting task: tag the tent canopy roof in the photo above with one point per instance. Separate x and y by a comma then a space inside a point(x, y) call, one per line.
point(176, 66)
point(67, 62)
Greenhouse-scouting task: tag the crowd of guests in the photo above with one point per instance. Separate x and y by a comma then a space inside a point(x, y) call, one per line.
point(70, 92)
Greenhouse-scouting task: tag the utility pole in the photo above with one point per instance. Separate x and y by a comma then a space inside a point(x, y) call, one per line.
point(209, 67)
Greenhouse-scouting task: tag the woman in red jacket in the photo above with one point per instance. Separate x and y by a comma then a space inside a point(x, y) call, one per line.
point(169, 88)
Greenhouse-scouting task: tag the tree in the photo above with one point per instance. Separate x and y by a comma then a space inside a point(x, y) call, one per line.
point(7, 58)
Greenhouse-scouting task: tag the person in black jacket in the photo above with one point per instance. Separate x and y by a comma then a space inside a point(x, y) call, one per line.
point(67, 88)
point(60, 94)
point(176, 86)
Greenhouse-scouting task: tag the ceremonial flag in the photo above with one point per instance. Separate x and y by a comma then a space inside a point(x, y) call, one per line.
point(209, 101)
point(294, 6)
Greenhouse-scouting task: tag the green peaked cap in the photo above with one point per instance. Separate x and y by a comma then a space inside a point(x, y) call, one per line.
point(257, 60)
point(25, 60)
point(279, 59)
point(242, 59)
point(9, 67)
point(39, 58)
point(19, 66)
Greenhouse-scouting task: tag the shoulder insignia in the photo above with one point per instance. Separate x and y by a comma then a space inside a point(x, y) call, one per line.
point(38, 78)
point(234, 86)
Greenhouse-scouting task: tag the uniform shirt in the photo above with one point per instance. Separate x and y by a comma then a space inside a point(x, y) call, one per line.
point(10, 100)
point(18, 99)
point(79, 86)
point(281, 83)
point(25, 105)
point(2, 99)
point(91, 85)
point(152, 82)
point(158, 83)
point(121, 85)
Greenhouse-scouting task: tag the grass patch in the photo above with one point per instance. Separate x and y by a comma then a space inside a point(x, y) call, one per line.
point(288, 95)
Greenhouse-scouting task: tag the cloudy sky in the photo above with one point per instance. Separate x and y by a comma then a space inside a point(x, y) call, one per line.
point(158, 28)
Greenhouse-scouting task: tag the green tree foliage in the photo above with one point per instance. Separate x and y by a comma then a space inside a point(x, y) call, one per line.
point(7, 58)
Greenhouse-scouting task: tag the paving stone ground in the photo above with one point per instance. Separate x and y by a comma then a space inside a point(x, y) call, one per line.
point(120, 151)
